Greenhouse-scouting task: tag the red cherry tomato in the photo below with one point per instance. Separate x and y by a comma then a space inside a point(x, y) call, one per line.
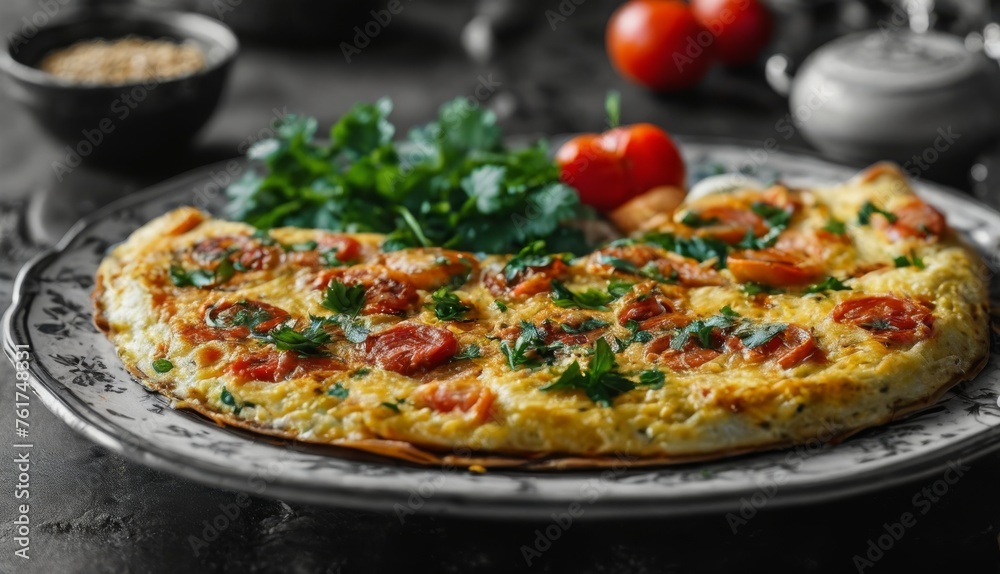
point(742, 28)
point(611, 168)
point(914, 219)
point(659, 44)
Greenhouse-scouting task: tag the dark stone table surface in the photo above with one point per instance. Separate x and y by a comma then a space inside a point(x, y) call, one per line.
point(92, 511)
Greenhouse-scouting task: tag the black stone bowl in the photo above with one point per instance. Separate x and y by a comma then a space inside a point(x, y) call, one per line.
point(123, 122)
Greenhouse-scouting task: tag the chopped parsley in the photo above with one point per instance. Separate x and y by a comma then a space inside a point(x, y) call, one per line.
point(601, 382)
point(329, 258)
point(447, 305)
point(636, 335)
point(653, 378)
point(528, 348)
point(162, 366)
point(202, 278)
point(500, 305)
point(589, 324)
point(755, 335)
point(695, 220)
point(360, 373)
point(701, 329)
point(310, 341)
point(752, 288)
point(913, 260)
point(470, 352)
point(618, 288)
point(869, 209)
point(338, 391)
point(649, 271)
point(347, 302)
point(533, 254)
point(393, 406)
point(698, 248)
point(343, 299)
point(592, 299)
point(828, 284)
point(228, 399)
point(835, 226)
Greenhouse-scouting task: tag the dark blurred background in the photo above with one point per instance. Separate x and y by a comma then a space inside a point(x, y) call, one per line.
point(542, 75)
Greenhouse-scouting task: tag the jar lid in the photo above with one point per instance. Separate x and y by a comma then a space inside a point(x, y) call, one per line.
point(899, 61)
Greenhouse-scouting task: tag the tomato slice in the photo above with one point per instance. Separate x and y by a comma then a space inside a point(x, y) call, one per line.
point(729, 224)
point(430, 268)
point(468, 397)
point(345, 249)
point(690, 356)
point(233, 320)
point(275, 366)
point(772, 267)
point(652, 312)
point(387, 292)
point(914, 219)
point(789, 348)
point(686, 271)
point(410, 348)
point(248, 252)
point(890, 319)
point(530, 281)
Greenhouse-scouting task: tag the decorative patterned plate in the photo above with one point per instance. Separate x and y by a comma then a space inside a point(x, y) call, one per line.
point(76, 373)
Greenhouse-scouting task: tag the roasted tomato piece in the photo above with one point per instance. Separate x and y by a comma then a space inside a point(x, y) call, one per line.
point(890, 319)
point(431, 267)
point(728, 223)
point(387, 292)
point(773, 267)
point(651, 311)
point(788, 348)
point(342, 249)
point(914, 219)
point(468, 397)
point(529, 281)
point(234, 320)
point(410, 348)
point(691, 356)
point(277, 366)
point(248, 253)
point(568, 331)
point(648, 258)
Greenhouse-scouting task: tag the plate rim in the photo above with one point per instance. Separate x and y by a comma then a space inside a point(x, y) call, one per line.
point(85, 420)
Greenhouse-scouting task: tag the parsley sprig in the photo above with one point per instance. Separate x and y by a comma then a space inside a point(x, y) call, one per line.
point(828, 284)
point(601, 381)
point(447, 305)
point(347, 302)
point(869, 209)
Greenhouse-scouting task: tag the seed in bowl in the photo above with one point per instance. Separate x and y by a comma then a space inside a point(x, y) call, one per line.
point(124, 61)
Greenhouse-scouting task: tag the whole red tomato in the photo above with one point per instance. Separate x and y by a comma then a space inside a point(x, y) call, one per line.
point(611, 168)
point(742, 28)
point(659, 43)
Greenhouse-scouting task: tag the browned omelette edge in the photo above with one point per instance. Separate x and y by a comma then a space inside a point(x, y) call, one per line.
point(411, 453)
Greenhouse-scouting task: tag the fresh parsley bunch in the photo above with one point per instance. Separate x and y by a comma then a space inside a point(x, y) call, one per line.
point(450, 183)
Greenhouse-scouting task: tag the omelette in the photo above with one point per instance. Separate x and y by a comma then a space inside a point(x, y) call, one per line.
point(743, 320)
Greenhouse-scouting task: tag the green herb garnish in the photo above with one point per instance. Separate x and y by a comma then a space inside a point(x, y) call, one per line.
point(593, 299)
point(828, 284)
point(162, 366)
point(450, 183)
point(469, 352)
point(869, 209)
point(338, 391)
point(448, 306)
